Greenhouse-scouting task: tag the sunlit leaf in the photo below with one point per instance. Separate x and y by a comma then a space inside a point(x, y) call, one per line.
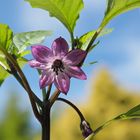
point(105, 32)
point(132, 113)
point(85, 39)
point(26, 52)
point(91, 63)
point(4, 66)
point(3, 75)
point(3, 62)
point(6, 45)
point(117, 7)
point(23, 40)
point(22, 61)
point(6, 35)
point(66, 11)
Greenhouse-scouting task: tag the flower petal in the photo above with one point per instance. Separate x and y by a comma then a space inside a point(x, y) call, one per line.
point(41, 53)
point(62, 82)
point(74, 71)
point(36, 64)
point(74, 57)
point(60, 47)
point(46, 79)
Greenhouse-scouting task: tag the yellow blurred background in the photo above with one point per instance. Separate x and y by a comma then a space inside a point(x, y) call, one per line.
point(107, 100)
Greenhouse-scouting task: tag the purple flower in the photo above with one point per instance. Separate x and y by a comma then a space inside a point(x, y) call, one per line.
point(57, 64)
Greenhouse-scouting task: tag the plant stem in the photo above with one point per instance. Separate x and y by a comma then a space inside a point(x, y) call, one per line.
point(33, 98)
point(91, 42)
point(72, 41)
point(54, 97)
point(73, 106)
point(44, 89)
point(46, 122)
point(48, 92)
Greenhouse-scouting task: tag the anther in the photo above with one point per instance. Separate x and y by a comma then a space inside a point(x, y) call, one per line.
point(57, 66)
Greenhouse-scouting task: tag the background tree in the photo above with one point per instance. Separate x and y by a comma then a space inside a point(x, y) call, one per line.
point(15, 123)
point(107, 100)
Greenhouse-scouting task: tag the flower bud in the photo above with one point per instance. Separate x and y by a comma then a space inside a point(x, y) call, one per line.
point(86, 129)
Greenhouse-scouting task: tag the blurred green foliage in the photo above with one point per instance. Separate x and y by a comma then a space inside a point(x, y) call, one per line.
point(15, 123)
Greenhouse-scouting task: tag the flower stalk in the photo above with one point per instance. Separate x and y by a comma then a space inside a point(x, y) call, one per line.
point(45, 123)
point(84, 125)
point(74, 107)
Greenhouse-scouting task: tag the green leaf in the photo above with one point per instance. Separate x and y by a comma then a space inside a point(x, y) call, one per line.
point(105, 32)
point(6, 45)
point(23, 40)
point(3, 75)
point(117, 7)
point(91, 63)
point(85, 39)
point(6, 35)
point(3, 67)
point(132, 113)
point(66, 11)
point(22, 61)
point(24, 53)
point(3, 62)
point(90, 137)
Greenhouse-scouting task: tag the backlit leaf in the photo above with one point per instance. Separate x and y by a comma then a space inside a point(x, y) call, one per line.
point(66, 11)
point(4, 66)
point(117, 7)
point(132, 113)
point(85, 39)
point(6, 35)
point(23, 40)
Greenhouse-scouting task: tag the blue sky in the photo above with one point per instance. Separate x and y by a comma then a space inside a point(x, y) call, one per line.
point(118, 51)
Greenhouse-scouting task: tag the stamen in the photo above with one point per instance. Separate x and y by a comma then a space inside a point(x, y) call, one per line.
point(57, 66)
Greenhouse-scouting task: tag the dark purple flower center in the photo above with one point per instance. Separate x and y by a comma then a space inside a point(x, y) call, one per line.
point(57, 66)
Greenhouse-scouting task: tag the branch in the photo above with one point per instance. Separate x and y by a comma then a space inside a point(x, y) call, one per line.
point(72, 41)
point(33, 98)
point(48, 92)
point(54, 97)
